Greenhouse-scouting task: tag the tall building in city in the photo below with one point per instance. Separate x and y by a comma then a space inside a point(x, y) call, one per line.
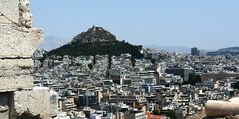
point(184, 73)
point(195, 51)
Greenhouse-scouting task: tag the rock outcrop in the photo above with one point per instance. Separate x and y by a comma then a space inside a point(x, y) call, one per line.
point(94, 34)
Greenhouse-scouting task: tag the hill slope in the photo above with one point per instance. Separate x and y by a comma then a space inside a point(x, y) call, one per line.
point(225, 51)
point(96, 41)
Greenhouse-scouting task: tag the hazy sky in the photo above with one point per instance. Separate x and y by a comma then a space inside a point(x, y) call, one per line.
point(207, 24)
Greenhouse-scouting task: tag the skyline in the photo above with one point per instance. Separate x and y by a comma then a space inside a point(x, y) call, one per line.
point(205, 24)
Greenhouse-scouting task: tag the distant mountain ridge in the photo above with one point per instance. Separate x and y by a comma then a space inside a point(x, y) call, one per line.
point(230, 49)
point(96, 41)
point(225, 51)
point(179, 49)
point(52, 42)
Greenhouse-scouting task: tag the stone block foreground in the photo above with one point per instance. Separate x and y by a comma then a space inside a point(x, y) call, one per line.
point(18, 41)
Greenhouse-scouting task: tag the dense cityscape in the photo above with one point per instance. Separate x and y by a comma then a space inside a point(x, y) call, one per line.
point(97, 76)
point(161, 85)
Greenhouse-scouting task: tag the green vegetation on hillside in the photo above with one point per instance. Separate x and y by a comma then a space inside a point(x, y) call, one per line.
point(96, 41)
point(97, 48)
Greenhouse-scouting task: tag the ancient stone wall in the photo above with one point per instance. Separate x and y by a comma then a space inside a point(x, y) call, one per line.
point(18, 41)
point(9, 11)
point(36, 102)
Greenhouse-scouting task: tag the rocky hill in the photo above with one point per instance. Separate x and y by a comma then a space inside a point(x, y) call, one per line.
point(93, 35)
point(96, 41)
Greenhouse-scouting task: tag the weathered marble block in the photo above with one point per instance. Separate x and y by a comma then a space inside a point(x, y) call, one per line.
point(14, 83)
point(18, 41)
point(36, 101)
point(10, 10)
point(15, 67)
point(15, 74)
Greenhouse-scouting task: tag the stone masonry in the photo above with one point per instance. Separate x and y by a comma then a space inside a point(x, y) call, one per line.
point(18, 41)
